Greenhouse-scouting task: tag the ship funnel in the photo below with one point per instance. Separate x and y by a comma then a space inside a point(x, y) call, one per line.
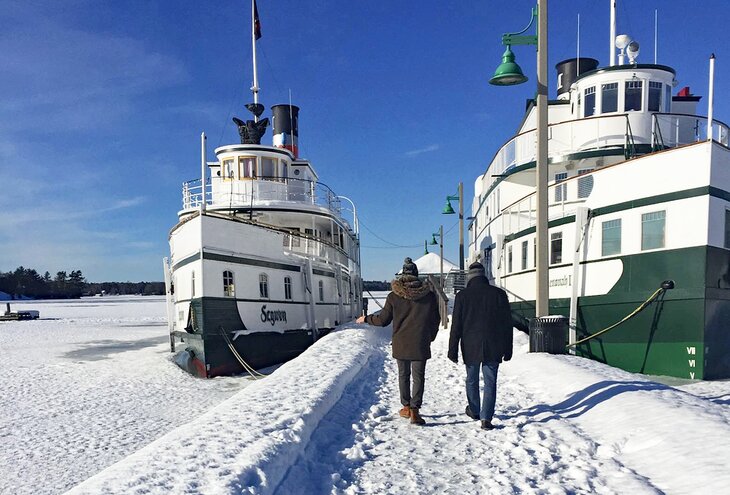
point(569, 71)
point(286, 127)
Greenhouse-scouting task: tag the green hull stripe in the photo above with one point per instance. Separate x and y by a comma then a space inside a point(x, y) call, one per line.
point(636, 203)
point(323, 273)
point(250, 262)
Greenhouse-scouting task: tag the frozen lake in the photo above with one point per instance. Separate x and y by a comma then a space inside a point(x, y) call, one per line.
point(86, 385)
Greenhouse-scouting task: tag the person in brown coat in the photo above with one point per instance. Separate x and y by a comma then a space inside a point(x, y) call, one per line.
point(412, 307)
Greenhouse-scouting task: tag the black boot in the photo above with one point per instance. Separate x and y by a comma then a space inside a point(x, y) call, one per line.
point(487, 425)
point(470, 413)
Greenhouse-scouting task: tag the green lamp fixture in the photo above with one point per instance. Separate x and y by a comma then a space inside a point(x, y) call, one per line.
point(433, 240)
point(448, 210)
point(508, 73)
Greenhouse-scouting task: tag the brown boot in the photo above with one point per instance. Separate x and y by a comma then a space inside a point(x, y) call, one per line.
point(416, 418)
point(405, 412)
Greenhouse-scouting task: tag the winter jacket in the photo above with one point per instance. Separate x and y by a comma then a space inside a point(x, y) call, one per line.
point(413, 309)
point(482, 322)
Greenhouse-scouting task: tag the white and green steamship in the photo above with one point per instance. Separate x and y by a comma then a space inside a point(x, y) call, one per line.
point(639, 194)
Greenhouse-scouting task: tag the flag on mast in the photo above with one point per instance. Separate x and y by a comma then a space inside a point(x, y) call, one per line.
point(256, 22)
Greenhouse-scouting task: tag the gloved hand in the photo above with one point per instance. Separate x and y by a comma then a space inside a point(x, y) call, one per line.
point(453, 359)
point(508, 357)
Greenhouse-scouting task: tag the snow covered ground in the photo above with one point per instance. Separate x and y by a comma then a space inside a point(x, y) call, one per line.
point(94, 395)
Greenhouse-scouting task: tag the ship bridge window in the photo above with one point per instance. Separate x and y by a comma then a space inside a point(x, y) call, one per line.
point(284, 171)
point(228, 169)
point(609, 97)
point(268, 168)
point(668, 98)
point(556, 248)
point(611, 238)
point(652, 230)
point(655, 96)
point(247, 167)
point(320, 285)
point(589, 107)
point(632, 96)
point(509, 259)
point(229, 289)
point(264, 286)
point(561, 189)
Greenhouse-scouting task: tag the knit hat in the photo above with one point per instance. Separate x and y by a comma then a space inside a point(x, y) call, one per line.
point(409, 267)
point(476, 269)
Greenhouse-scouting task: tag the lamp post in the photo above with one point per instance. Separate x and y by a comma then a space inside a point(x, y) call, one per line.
point(440, 233)
point(509, 73)
point(448, 210)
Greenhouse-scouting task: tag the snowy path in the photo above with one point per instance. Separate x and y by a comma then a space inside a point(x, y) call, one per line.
point(362, 446)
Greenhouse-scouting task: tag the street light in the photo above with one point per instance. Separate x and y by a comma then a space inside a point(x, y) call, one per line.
point(440, 233)
point(448, 210)
point(509, 73)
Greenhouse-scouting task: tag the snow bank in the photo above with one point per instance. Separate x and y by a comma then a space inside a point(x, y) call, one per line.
point(677, 440)
point(247, 443)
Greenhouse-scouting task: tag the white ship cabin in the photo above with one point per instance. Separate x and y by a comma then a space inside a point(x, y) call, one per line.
point(602, 116)
point(269, 186)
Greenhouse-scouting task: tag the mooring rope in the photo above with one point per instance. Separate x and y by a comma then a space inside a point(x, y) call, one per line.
point(627, 317)
point(249, 369)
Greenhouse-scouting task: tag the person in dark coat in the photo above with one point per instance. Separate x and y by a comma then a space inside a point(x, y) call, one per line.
point(412, 307)
point(482, 323)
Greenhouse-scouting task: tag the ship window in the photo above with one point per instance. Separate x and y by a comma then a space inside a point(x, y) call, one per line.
point(524, 255)
point(668, 98)
point(556, 248)
point(293, 238)
point(229, 289)
point(247, 167)
point(652, 230)
point(284, 171)
point(589, 108)
point(655, 96)
point(228, 169)
point(585, 184)
point(632, 96)
point(321, 291)
point(263, 285)
point(561, 189)
point(268, 168)
point(192, 284)
point(611, 237)
point(727, 228)
point(287, 288)
point(609, 97)
point(509, 259)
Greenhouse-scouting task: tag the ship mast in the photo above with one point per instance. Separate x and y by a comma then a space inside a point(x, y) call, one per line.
point(255, 34)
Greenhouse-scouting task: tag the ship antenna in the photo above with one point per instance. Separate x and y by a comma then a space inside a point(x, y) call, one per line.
point(656, 32)
point(612, 58)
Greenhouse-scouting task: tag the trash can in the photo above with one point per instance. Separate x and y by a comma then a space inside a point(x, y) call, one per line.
point(549, 334)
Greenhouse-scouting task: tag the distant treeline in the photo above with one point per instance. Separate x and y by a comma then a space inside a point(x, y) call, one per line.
point(375, 285)
point(26, 282)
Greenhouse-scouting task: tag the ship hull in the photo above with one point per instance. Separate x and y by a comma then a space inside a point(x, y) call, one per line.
point(682, 333)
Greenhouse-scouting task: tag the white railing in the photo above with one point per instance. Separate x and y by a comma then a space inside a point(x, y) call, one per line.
point(259, 191)
point(672, 130)
point(522, 214)
point(315, 248)
point(625, 130)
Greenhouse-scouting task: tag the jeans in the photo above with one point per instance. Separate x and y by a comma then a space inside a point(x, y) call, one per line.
point(418, 369)
point(489, 370)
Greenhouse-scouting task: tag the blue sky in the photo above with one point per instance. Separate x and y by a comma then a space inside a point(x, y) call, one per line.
point(103, 104)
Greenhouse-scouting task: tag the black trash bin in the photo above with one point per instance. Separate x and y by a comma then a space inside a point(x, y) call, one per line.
point(549, 334)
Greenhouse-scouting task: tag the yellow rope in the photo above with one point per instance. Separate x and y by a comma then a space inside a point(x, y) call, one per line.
point(630, 315)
